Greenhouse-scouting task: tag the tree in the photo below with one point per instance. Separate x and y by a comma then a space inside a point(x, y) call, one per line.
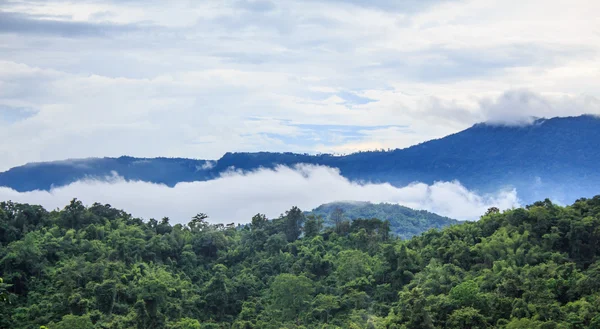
point(337, 217)
point(325, 304)
point(291, 295)
point(74, 215)
point(354, 264)
point(73, 321)
point(198, 222)
point(492, 210)
point(258, 221)
point(294, 218)
point(467, 318)
point(217, 292)
point(466, 293)
point(106, 294)
point(3, 291)
point(412, 310)
point(312, 227)
point(164, 227)
point(522, 324)
point(185, 323)
point(275, 243)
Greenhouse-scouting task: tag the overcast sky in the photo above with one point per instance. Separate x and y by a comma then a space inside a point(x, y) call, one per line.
point(200, 78)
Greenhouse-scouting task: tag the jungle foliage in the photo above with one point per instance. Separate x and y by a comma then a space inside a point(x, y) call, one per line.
point(99, 267)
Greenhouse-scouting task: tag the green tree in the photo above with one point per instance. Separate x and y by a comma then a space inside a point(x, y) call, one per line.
point(291, 295)
point(294, 218)
point(258, 221)
point(313, 226)
point(466, 293)
point(522, 324)
point(324, 305)
point(73, 321)
point(412, 311)
point(3, 291)
point(354, 264)
point(185, 323)
point(337, 217)
point(217, 292)
point(467, 318)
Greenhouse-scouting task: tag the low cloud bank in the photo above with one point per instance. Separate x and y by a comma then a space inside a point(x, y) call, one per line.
point(521, 107)
point(236, 197)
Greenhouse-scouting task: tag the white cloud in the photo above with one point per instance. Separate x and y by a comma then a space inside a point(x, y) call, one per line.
point(236, 197)
point(520, 106)
point(207, 165)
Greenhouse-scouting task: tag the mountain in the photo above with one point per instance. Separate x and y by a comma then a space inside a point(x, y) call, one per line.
point(556, 158)
point(45, 175)
point(404, 222)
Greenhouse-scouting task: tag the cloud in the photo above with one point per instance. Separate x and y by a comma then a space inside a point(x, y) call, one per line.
point(511, 107)
point(256, 5)
point(13, 114)
point(517, 107)
point(406, 6)
point(207, 165)
point(236, 197)
point(13, 22)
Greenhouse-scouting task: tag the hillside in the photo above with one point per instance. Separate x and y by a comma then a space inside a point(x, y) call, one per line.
point(404, 222)
point(45, 175)
point(555, 158)
point(98, 267)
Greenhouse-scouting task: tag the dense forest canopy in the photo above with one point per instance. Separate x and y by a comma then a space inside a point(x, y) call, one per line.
point(99, 267)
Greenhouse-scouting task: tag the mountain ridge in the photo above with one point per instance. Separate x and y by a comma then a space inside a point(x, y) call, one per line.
point(558, 155)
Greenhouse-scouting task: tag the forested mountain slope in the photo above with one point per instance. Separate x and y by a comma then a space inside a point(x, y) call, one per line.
point(45, 175)
point(97, 267)
point(404, 222)
point(555, 158)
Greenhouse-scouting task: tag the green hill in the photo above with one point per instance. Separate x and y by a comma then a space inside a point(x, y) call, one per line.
point(98, 267)
point(404, 222)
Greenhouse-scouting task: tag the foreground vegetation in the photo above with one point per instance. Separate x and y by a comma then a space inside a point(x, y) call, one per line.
point(98, 267)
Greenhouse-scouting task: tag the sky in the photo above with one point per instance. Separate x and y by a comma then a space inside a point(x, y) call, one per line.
point(197, 79)
point(200, 78)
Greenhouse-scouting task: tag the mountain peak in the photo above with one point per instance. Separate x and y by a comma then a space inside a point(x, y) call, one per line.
point(536, 121)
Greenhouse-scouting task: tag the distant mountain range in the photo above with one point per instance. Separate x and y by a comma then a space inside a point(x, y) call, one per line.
point(404, 222)
point(557, 158)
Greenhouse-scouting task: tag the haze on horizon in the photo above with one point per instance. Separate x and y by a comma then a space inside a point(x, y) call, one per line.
point(198, 79)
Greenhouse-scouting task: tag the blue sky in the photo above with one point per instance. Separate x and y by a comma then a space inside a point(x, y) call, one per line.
point(201, 78)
